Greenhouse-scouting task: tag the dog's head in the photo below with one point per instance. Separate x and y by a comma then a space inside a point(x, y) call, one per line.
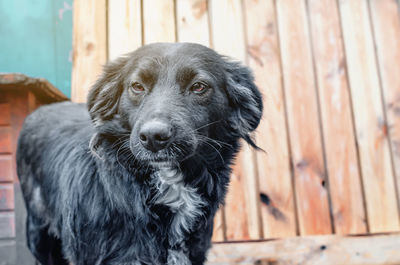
point(168, 98)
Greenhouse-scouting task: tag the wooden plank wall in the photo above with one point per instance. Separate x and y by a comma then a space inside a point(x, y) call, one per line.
point(329, 72)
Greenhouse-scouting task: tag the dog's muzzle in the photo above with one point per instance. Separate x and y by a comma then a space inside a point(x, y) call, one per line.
point(156, 135)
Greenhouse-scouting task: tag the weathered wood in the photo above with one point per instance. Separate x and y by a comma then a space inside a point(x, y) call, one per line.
point(341, 153)
point(227, 40)
point(124, 27)
point(219, 226)
point(386, 25)
point(242, 215)
point(6, 168)
point(18, 83)
point(310, 250)
point(236, 212)
point(275, 182)
point(6, 196)
point(371, 127)
point(192, 21)
point(304, 128)
point(89, 45)
point(158, 21)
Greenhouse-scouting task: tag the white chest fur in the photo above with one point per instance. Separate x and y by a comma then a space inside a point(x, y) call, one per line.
point(184, 201)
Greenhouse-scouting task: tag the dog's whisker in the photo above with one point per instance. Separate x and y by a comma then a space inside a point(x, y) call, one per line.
point(206, 125)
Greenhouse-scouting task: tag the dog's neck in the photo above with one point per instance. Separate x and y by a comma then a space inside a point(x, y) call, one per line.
point(183, 201)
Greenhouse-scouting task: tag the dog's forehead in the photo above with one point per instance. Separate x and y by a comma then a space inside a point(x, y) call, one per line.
point(179, 54)
point(176, 62)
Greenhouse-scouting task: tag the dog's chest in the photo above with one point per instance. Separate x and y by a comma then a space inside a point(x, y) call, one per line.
point(183, 201)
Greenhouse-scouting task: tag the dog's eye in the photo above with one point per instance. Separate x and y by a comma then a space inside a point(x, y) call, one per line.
point(137, 88)
point(199, 87)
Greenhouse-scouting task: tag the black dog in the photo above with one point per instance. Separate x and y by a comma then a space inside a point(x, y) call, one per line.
point(142, 182)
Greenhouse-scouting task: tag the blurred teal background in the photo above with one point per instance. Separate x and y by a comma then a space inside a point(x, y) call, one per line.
point(36, 39)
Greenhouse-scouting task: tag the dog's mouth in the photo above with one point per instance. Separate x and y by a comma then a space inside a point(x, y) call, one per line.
point(161, 164)
point(173, 155)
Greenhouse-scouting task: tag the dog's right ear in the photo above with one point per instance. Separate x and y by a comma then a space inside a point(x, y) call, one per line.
point(103, 97)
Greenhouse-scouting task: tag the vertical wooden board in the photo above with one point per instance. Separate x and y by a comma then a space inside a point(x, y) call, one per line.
point(302, 111)
point(219, 226)
point(6, 196)
point(277, 205)
point(6, 168)
point(341, 154)
point(192, 21)
point(158, 21)
point(242, 215)
point(227, 28)
point(236, 212)
point(386, 23)
point(371, 128)
point(89, 45)
point(124, 27)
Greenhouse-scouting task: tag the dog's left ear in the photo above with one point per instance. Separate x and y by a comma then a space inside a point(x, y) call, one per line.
point(245, 98)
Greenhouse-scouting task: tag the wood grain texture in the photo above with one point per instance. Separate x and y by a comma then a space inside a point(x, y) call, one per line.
point(124, 27)
point(304, 127)
point(371, 127)
point(6, 196)
point(336, 115)
point(192, 21)
point(89, 45)
point(228, 40)
point(219, 226)
point(310, 250)
point(386, 24)
point(275, 183)
point(242, 215)
point(158, 21)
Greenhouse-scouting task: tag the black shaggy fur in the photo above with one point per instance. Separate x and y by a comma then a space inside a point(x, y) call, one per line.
point(89, 187)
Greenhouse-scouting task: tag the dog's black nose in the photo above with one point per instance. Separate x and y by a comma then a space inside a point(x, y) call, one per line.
point(155, 135)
